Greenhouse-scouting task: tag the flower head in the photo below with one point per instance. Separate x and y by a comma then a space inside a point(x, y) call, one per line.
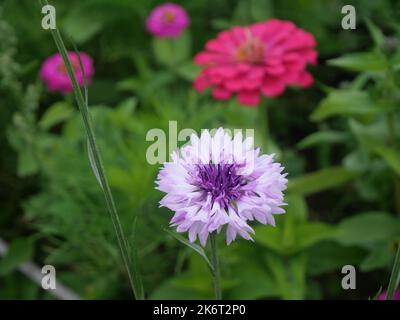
point(260, 59)
point(167, 20)
point(396, 295)
point(217, 180)
point(54, 73)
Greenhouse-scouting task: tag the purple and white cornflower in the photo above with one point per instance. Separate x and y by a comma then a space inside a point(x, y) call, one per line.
point(218, 180)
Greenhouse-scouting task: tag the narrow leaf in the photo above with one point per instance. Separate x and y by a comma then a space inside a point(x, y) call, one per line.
point(57, 113)
point(376, 33)
point(391, 156)
point(320, 180)
point(347, 103)
point(193, 246)
point(19, 251)
point(93, 164)
point(362, 61)
point(322, 137)
point(97, 161)
point(395, 276)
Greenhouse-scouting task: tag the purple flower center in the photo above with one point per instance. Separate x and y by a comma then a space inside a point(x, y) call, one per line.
point(221, 181)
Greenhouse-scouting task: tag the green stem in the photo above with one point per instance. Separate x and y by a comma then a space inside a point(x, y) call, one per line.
point(134, 279)
point(395, 276)
point(215, 264)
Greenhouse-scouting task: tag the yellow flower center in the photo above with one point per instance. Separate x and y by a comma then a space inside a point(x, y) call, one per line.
point(63, 69)
point(169, 16)
point(252, 50)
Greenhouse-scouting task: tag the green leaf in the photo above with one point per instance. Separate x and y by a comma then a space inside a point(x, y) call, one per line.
point(320, 180)
point(394, 276)
point(188, 70)
point(93, 165)
point(193, 246)
point(269, 237)
point(322, 137)
point(255, 283)
point(19, 251)
point(297, 269)
point(27, 162)
point(296, 208)
point(357, 161)
point(391, 156)
point(170, 289)
point(171, 51)
point(369, 135)
point(362, 61)
point(310, 233)
point(290, 240)
point(346, 103)
point(376, 33)
point(330, 256)
point(57, 113)
point(379, 256)
point(86, 20)
point(127, 107)
point(261, 10)
point(277, 268)
point(366, 229)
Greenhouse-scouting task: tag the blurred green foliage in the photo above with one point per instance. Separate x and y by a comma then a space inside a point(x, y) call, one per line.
point(339, 142)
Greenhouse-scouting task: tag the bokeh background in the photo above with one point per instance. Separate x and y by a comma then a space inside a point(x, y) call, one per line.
point(338, 141)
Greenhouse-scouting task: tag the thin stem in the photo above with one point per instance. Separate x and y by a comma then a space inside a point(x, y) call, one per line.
point(215, 264)
point(395, 276)
point(134, 280)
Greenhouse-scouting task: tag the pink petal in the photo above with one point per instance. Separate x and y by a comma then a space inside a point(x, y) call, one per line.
point(249, 98)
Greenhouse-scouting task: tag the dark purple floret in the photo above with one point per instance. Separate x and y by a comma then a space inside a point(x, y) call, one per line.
point(221, 181)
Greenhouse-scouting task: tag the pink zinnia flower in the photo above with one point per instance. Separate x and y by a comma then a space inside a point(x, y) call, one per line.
point(260, 59)
point(216, 181)
point(54, 73)
point(167, 20)
point(396, 295)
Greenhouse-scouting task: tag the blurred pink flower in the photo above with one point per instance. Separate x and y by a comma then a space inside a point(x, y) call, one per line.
point(396, 295)
point(54, 73)
point(167, 20)
point(260, 59)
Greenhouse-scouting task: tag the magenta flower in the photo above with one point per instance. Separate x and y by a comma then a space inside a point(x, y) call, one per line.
point(260, 59)
point(167, 20)
point(54, 73)
point(216, 181)
point(396, 295)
